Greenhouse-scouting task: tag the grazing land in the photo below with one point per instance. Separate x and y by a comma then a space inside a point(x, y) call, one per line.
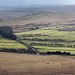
point(50, 40)
point(23, 64)
point(42, 30)
point(10, 44)
point(41, 19)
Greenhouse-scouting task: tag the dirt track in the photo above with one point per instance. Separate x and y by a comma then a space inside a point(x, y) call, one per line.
point(24, 64)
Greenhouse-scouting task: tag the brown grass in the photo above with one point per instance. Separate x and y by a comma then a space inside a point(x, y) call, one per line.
point(11, 15)
point(25, 64)
point(20, 24)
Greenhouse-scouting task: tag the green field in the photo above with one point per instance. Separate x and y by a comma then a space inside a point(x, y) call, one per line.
point(43, 40)
point(32, 37)
point(44, 30)
point(51, 34)
point(53, 49)
point(6, 43)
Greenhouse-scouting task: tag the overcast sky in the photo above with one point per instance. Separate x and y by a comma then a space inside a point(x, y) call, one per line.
point(34, 2)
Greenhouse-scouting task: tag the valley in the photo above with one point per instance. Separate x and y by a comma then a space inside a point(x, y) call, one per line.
point(44, 30)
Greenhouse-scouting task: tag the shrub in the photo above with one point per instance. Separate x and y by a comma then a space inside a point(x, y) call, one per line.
point(59, 53)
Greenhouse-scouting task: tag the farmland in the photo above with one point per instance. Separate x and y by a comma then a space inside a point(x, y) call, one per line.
point(46, 29)
point(6, 43)
point(50, 40)
point(41, 30)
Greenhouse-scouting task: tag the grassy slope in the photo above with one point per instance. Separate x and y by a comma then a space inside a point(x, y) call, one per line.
point(6, 43)
point(41, 19)
point(23, 64)
point(53, 34)
point(5, 16)
point(50, 34)
point(50, 22)
point(53, 49)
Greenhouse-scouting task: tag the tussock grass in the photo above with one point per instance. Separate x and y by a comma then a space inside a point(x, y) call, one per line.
point(25, 64)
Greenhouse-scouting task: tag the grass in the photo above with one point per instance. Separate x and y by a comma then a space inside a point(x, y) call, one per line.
point(6, 43)
point(53, 49)
point(49, 42)
point(26, 64)
point(69, 36)
point(52, 34)
point(45, 18)
point(48, 23)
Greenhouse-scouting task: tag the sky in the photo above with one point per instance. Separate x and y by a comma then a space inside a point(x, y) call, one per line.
point(34, 2)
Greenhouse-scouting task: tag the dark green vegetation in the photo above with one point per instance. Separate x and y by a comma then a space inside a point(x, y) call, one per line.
point(46, 30)
point(7, 32)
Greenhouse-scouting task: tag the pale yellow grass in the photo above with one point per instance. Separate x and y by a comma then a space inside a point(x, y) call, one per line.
point(25, 64)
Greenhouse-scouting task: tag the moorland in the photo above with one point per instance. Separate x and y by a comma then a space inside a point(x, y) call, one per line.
point(45, 29)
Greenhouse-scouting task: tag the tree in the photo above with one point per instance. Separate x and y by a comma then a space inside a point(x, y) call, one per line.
point(37, 28)
point(7, 32)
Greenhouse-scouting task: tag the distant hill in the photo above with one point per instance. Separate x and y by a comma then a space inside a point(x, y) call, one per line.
point(64, 8)
point(59, 8)
point(43, 18)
